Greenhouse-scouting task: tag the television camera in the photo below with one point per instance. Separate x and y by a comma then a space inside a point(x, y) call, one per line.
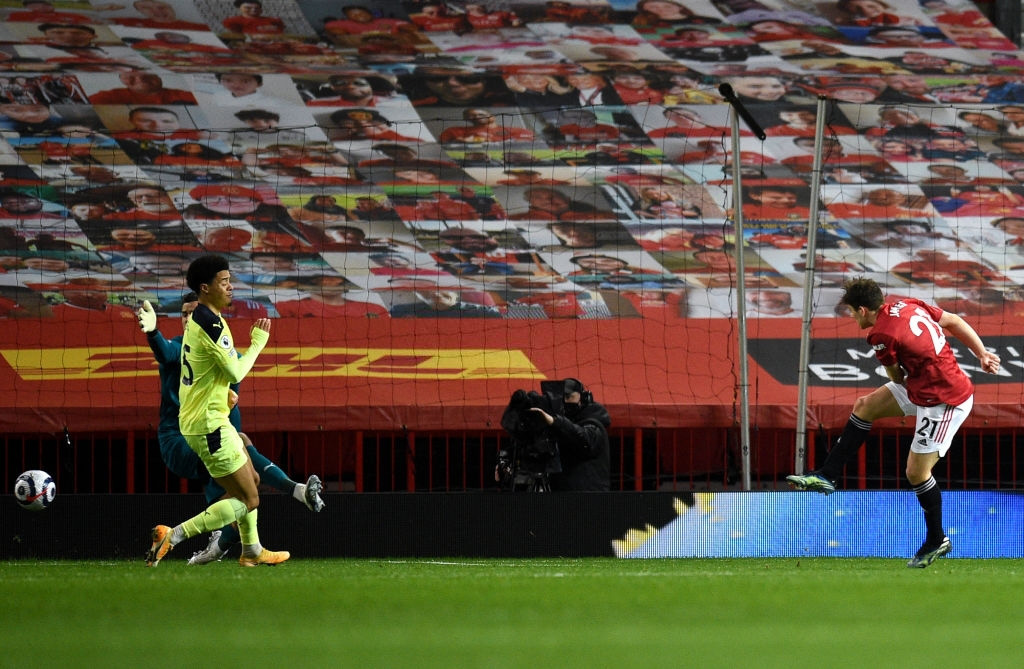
point(531, 455)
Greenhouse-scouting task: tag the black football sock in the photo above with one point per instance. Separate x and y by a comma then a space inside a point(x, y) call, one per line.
point(930, 498)
point(846, 447)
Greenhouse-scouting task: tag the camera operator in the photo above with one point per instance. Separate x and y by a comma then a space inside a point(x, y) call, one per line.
point(566, 416)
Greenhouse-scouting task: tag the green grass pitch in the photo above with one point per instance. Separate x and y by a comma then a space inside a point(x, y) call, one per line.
point(513, 613)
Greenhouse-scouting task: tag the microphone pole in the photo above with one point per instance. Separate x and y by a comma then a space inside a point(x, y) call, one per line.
point(730, 97)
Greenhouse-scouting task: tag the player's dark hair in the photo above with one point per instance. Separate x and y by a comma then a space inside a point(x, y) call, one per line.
point(249, 114)
point(43, 27)
point(190, 296)
point(1003, 141)
point(204, 269)
point(862, 292)
point(347, 114)
point(379, 85)
point(576, 259)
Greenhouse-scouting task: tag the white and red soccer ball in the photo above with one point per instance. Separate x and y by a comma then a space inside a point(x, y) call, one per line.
point(35, 490)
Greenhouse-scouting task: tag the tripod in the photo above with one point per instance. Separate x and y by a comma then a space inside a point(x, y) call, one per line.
point(530, 481)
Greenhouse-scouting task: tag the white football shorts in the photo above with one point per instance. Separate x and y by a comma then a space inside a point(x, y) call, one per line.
point(936, 426)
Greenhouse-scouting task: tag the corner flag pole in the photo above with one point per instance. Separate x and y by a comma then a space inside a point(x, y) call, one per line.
point(809, 267)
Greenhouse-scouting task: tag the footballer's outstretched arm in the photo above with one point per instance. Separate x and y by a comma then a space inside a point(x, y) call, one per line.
point(238, 366)
point(234, 366)
point(962, 330)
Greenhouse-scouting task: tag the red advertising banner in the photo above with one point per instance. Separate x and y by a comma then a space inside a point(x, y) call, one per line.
point(428, 374)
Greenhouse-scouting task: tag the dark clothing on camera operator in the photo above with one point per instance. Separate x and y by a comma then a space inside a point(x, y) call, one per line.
point(582, 436)
point(559, 440)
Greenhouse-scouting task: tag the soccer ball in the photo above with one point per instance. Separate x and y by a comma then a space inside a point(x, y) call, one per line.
point(35, 490)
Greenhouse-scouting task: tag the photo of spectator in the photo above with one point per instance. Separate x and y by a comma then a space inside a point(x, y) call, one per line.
point(313, 155)
point(655, 13)
point(770, 302)
point(435, 16)
point(150, 129)
point(884, 203)
point(320, 211)
point(351, 89)
point(981, 123)
point(369, 208)
point(662, 204)
point(262, 126)
point(22, 207)
point(562, 235)
point(138, 204)
point(580, 126)
point(250, 21)
point(361, 19)
point(455, 87)
point(590, 89)
point(368, 125)
point(674, 238)
point(755, 90)
point(275, 229)
point(940, 269)
point(400, 156)
point(197, 155)
point(616, 272)
point(538, 89)
point(634, 87)
point(979, 200)
point(494, 242)
point(906, 233)
point(802, 121)
point(485, 126)
point(775, 202)
point(327, 296)
point(516, 177)
point(546, 203)
point(157, 14)
point(872, 13)
point(442, 303)
point(246, 89)
point(688, 122)
point(792, 236)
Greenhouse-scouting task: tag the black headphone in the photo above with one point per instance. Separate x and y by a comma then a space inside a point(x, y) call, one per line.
point(586, 397)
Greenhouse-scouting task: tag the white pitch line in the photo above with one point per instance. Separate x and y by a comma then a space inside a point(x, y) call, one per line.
point(456, 564)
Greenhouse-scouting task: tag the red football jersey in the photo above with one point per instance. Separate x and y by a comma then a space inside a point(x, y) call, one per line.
point(907, 332)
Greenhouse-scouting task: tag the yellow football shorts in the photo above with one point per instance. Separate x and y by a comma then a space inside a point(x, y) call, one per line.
point(222, 450)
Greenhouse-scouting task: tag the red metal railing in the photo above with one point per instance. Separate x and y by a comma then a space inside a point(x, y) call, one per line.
point(641, 459)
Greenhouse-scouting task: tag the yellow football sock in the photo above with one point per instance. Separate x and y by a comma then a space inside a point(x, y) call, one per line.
point(247, 528)
point(217, 515)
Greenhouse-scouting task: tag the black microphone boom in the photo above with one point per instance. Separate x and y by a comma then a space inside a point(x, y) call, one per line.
point(730, 97)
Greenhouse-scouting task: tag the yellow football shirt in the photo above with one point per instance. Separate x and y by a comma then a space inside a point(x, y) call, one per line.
point(209, 364)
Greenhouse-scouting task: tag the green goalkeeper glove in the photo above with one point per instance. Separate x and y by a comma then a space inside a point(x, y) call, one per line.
point(147, 317)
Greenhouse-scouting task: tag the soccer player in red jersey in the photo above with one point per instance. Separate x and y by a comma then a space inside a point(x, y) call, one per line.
point(925, 380)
